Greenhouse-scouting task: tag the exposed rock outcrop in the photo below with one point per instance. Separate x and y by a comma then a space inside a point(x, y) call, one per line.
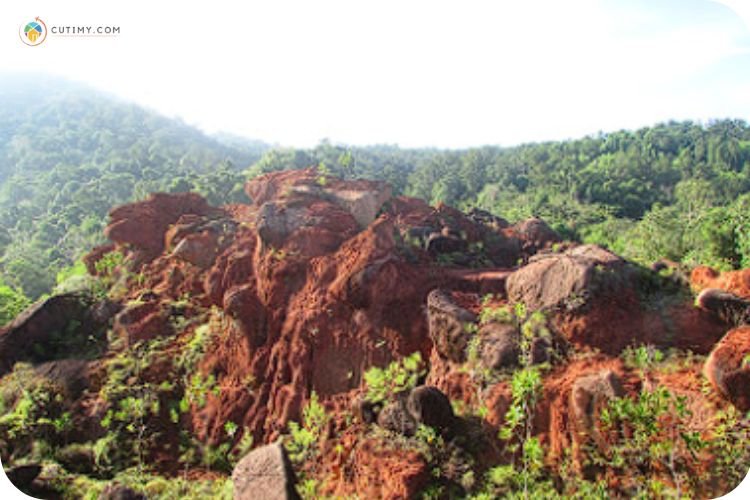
point(143, 225)
point(567, 279)
point(265, 473)
point(23, 475)
point(71, 374)
point(319, 279)
point(43, 332)
point(429, 406)
point(448, 325)
point(536, 235)
point(499, 346)
point(735, 282)
point(589, 396)
point(726, 306)
point(728, 367)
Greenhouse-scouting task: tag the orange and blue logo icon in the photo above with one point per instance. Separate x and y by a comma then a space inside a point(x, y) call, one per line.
point(34, 32)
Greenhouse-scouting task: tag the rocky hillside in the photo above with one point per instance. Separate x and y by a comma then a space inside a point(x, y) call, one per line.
point(331, 339)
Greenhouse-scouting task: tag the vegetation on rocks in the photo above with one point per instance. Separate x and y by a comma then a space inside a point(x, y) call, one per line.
point(373, 343)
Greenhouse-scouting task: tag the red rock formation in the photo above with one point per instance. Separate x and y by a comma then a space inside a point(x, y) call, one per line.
point(143, 225)
point(728, 367)
point(320, 279)
point(387, 473)
point(736, 282)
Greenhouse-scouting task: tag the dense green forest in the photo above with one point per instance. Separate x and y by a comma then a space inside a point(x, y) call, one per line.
point(68, 154)
point(679, 191)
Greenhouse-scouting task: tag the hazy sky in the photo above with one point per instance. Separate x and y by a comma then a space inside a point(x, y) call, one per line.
point(412, 72)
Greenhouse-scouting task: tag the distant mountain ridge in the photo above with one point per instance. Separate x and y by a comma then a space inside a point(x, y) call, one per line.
point(69, 153)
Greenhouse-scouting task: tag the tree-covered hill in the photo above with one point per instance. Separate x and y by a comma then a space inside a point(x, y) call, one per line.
point(678, 190)
point(69, 153)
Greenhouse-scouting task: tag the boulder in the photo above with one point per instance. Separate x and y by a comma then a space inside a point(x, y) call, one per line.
point(484, 217)
point(23, 475)
point(362, 199)
point(536, 235)
point(306, 226)
point(447, 325)
point(363, 204)
point(271, 224)
point(726, 306)
point(265, 473)
point(566, 279)
point(359, 284)
point(104, 310)
point(77, 458)
point(502, 250)
point(275, 185)
point(199, 249)
point(365, 411)
point(429, 406)
point(30, 335)
point(499, 346)
point(418, 235)
point(142, 322)
point(143, 225)
point(116, 491)
point(241, 303)
point(70, 374)
point(438, 243)
point(396, 417)
point(589, 395)
point(728, 367)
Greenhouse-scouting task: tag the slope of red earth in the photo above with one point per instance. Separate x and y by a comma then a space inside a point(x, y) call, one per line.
point(319, 279)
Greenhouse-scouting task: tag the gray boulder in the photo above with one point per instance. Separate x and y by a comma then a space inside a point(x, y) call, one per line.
point(438, 243)
point(447, 325)
point(589, 395)
point(395, 417)
point(33, 330)
point(429, 406)
point(364, 204)
point(566, 279)
point(265, 473)
point(499, 346)
point(726, 306)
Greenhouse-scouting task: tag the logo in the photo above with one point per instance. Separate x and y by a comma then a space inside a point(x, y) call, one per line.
point(33, 33)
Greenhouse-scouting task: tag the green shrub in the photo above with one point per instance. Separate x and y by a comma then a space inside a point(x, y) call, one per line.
point(107, 265)
point(397, 377)
point(198, 389)
point(133, 406)
point(303, 438)
point(649, 434)
point(74, 487)
point(32, 408)
point(642, 357)
point(12, 303)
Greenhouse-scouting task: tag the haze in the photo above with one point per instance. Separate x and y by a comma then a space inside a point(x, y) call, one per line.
point(417, 73)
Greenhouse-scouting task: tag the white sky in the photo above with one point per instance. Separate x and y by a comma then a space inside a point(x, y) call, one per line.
point(412, 72)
